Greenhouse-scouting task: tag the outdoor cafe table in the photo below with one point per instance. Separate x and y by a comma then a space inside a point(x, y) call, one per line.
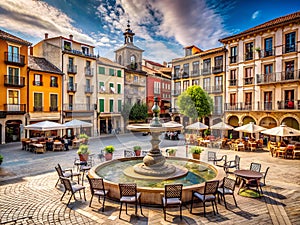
point(248, 175)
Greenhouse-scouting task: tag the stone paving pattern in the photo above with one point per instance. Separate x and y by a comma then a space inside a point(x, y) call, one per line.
point(35, 200)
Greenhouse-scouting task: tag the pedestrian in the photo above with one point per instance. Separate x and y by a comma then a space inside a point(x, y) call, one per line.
point(66, 143)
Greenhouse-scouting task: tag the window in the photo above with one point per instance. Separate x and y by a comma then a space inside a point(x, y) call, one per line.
point(218, 83)
point(232, 80)
point(289, 99)
point(38, 80)
point(88, 86)
point(13, 54)
point(53, 103)
point(290, 42)
point(101, 86)
point(249, 51)
point(233, 54)
point(289, 70)
point(176, 71)
point(218, 103)
point(188, 51)
point(111, 72)
point(119, 88)
point(206, 84)
point(186, 84)
point(53, 81)
point(88, 103)
point(133, 63)
point(195, 68)
point(119, 73)
point(156, 87)
point(219, 61)
point(232, 99)
point(67, 45)
point(135, 79)
point(101, 70)
point(248, 75)
point(268, 47)
point(195, 82)
point(85, 50)
point(13, 75)
point(119, 105)
point(268, 100)
point(111, 105)
point(206, 67)
point(248, 99)
point(13, 100)
point(112, 88)
point(177, 87)
point(38, 102)
point(185, 70)
point(101, 105)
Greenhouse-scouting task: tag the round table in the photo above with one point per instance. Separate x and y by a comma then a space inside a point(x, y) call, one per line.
point(248, 175)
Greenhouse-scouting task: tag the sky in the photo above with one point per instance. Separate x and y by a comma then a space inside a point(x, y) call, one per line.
point(162, 27)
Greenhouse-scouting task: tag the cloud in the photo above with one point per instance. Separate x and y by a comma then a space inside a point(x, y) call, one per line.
point(255, 14)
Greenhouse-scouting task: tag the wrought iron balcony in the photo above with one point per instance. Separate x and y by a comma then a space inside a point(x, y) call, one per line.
point(53, 108)
point(78, 107)
point(217, 69)
point(38, 108)
point(72, 68)
point(233, 82)
point(195, 73)
point(248, 80)
point(14, 81)
point(89, 72)
point(289, 48)
point(14, 59)
point(217, 89)
point(37, 83)
point(71, 87)
point(233, 59)
point(241, 106)
point(68, 49)
point(15, 108)
point(89, 89)
point(267, 52)
point(206, 71)
point(248, 56)
point(176, 76)
point(185, 75)
point(290, 105)
point(285, 76)
point(53, 84)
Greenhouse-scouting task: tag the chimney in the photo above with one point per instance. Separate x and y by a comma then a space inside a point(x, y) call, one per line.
point(46, 35)
point(30, 50)
point(71, 37)
point(165, 63)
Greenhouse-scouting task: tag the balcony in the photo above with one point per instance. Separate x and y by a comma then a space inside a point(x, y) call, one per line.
point(15, 109)
point(217, 89)
point(233, 59)
point(265, 106)
point(289, 48)
point(266, 53)
point(78, 107)
point(78, 52)
point(232, 82)
point(53, 84)
point(241, 106)
point(217, 69)
point(72, 68)
point(38, 108)
point(138, 82)
point(248, 80)
point(288, 105)
point(248, 56)
point(207, 89)
point(195, 73)
point(89, 89)
point(14, 81)
point(206, 71)
point(37, 83)
point(278, 77)
point(176, 76)
point(53, 108)
point(71, 87)
point(89, 72)
point(185, 75)
point(14, 59)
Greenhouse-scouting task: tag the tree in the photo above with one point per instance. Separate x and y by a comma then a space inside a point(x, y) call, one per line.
point(138, 112)
point(125, 112)
point(195, 103)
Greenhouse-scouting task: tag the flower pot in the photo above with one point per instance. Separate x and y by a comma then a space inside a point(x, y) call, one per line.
point(108, 156)
point(137, 152)
point(83, 157)
point(172, 154)
point(196, 156)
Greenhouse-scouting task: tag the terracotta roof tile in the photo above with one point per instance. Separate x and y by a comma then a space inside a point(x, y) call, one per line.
point(41, 64)
point(269, 24)
point(9, 37)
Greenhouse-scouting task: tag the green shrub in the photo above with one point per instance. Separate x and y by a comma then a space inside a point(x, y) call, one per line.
point(109, 148)
point(196, 150)
point(1, 157)
point(83, 149)
point(137, 147)
point(171, 150)
point(85, 136)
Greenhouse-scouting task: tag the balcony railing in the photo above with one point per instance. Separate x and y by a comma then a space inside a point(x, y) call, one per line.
point(37, 83)
point(206, 71)
point(241, 106)
point(53, 108)
point(289, 48)
point(14, 59)
point(78, 52)
point(217, 89)
point(265, 106)
point(15, 108)
point(78, 107)
point(233, 82)
point(248, 80)
point(195, 73)
point(71, 87)
point(185, 75)
point(176, 76)
point(89, 89)
point(207, 89)
point(139, 82)
point(285, 76)
point(248, 56)
point(89, 72)
point(72, 68)
point(267, 52)
point(233, 59)
point(217, 69)
point(14, 81)
point(38, 108)
point(285, 104)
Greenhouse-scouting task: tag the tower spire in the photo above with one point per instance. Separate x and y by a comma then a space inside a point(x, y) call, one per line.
point(128, 34)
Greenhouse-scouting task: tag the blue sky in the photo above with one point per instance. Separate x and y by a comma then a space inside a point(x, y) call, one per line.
point(162, 27)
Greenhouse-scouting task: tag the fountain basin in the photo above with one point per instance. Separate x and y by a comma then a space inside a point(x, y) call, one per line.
point(151, 189)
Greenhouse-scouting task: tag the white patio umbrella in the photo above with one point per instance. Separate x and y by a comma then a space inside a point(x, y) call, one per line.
point(172, 123)
point(44, 126)
point(77, 124)
point(282, 131)
point(250, 128)
point(197, 126)
point(221, 126)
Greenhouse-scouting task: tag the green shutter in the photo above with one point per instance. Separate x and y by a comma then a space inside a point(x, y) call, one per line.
point(111, 72)
point(111, 85)
point(101, 70)
point(119, 88)
point(119, 73)
point(119, 105)
point(111, 105)
point(101, 105)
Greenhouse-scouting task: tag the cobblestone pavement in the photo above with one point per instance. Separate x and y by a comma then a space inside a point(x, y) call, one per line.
point(35, 200)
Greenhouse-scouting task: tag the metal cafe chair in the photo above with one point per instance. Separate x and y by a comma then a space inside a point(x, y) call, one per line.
point(97, 188)
point(71, 188)
point(172, 197)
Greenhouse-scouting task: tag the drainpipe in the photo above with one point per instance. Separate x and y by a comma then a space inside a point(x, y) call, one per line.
point(62, 89)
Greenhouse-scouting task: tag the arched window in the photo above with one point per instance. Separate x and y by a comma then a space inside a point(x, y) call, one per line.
point(120, 60)
point(133, 63)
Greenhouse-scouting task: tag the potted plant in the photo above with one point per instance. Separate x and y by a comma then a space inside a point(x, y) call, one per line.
point(137, 150)
point(171, 151)
point(84, 138)
point(109, 149)
point(83, 152)
point(1, 159)
point(196, 151)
